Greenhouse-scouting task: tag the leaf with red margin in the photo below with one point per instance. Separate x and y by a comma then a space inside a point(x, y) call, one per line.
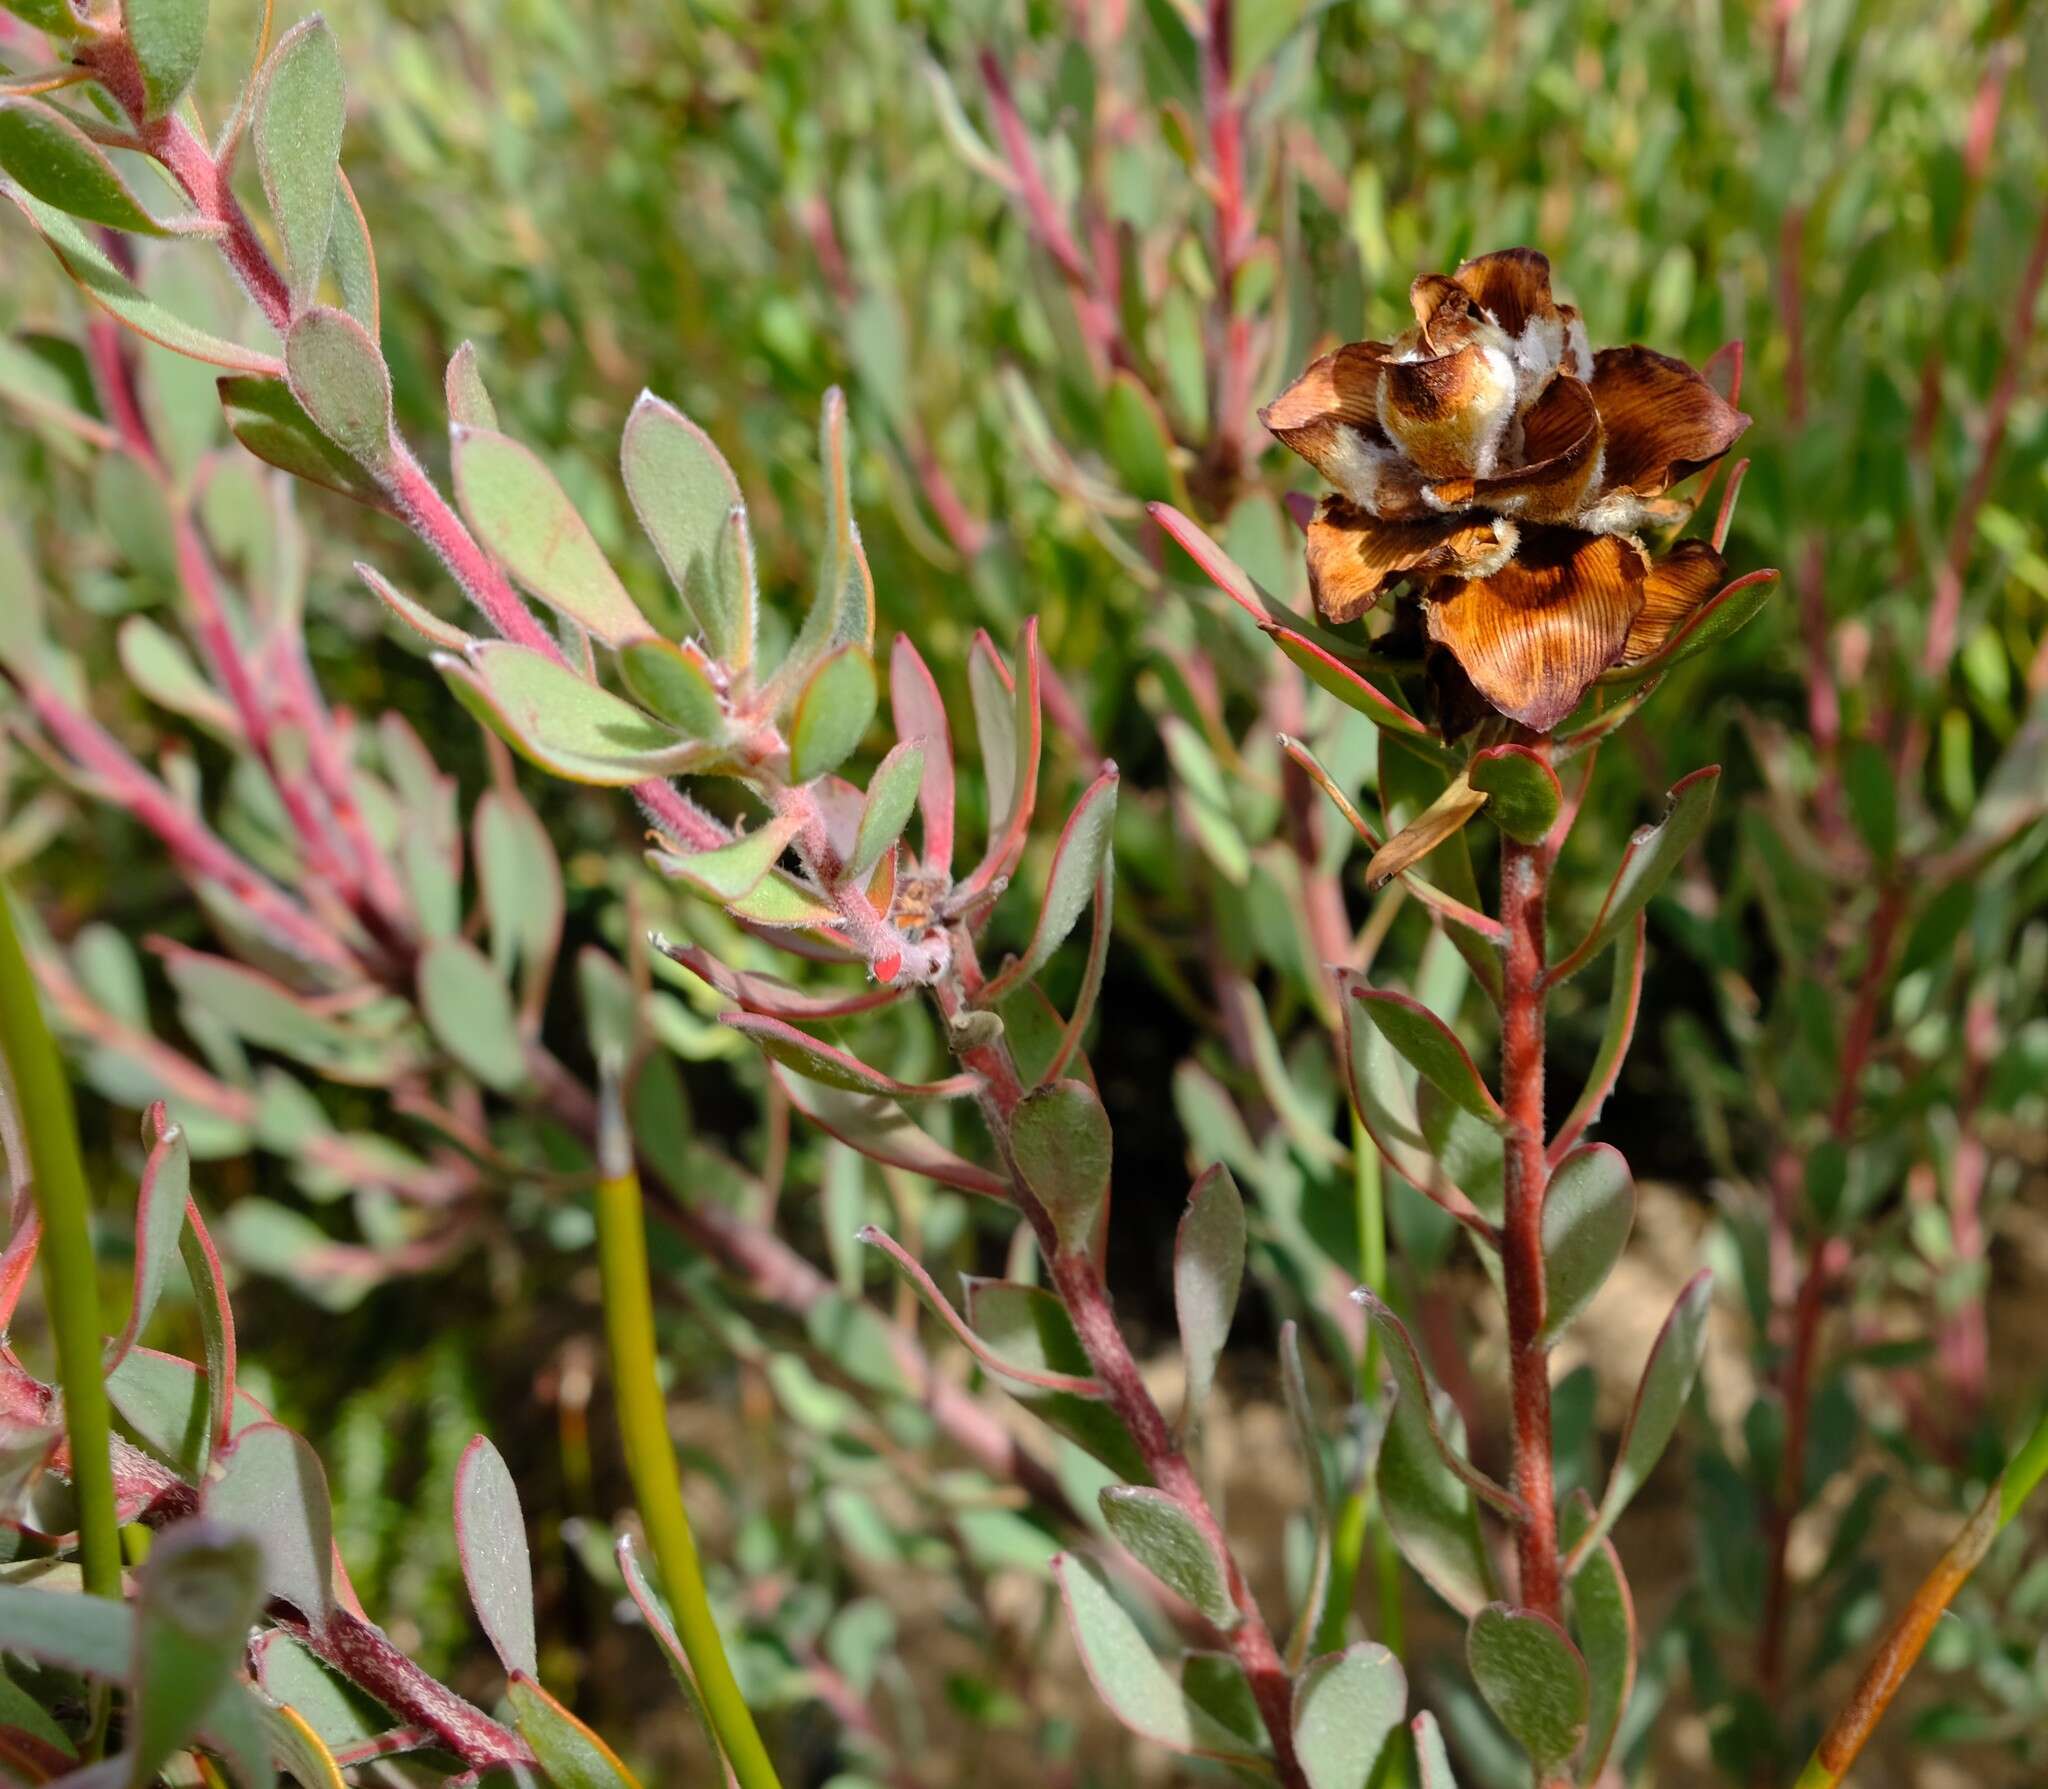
point(1349, 687)
point(882, 1131)
point(1080, 863)
point(1615, 1037)
point(1604, 1619)
point(1431, 1048)
point(769, 995)
point(920, 714)
point(1018, 783)
point(803, 1054)
point(490, 1540)
point(1652, 854)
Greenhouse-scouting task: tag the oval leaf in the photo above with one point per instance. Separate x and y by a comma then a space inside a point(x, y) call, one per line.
point(1030, 1331)
point(490, 1536)
point(1129, 1677)
point(264, 416)
point(1432, 1761)
point(340, 379)
point(1208, 1273)
point(1347, 1705)
point(1533, 1679)
point(1604, 1621)
point(1652, 855)
point(803, 1054)
point(563, 722)
point(470, 1011)
point(920, 716)
point(1061, 1139)
point(832, 712)
point(526, 520)
point(1077, 868)
point(1427, 1043)
point(892, 795)
point(1587, 1215)
point(300, 106)
point(272, 1487)
point(167, 37)
point(675, 683)
point(49, 156)
point(690, 505)
point(571, 1754)
point(1668, 1375)
point(729, 873)
point(1162, 1537)
point(197, 1596)
point(1523, 795)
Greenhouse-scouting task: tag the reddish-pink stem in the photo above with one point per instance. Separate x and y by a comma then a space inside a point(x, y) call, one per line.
point(1524, 879)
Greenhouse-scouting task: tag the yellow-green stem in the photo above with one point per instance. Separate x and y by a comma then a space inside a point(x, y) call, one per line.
point(1900, 1649)
point(657, 1481)
point(70, 1279)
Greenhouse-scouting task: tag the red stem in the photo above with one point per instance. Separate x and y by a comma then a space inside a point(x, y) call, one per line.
point(1078, 1281)
point(1524, 880)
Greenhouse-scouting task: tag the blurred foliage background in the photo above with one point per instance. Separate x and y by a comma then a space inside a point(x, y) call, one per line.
point(739, 206)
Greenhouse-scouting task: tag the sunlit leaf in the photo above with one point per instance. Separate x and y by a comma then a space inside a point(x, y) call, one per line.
point(301, 104)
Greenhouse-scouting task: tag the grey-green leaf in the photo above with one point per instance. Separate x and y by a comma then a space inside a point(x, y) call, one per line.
point(197, 1596)
point(264, 416)
point(273, 1487)
point(1061, 1137)
point(1129, 1677)
point(524, 517)
point(339, 377)
point(469, 402)
point(1587, 1215)
point(1077, 867)
point(167, 37)
point(1533, 1679)
point(892, 796)
point(1652, 854)
point(1346, 1707)
point(490, 1537)
point(301, 105)
point(1523, 795)
point(563, 722)
point(470, 1011)
point(1208, 1272)
point(49, 156)
point(1668, 1375)
point(675, 683)
point(1430, 1047)
point(1604, 1620)
point(690, 505)
point(833, 711)
point(1432, 1761)
point(1162, 1537)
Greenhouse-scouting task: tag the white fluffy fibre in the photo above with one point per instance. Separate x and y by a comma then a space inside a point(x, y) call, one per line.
point(1619, 512)
point(1506, 538)
point(1357, 466)
point(1581, 347)
point(1538, 350)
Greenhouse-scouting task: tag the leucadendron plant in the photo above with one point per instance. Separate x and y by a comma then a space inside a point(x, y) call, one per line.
point(1507, 488)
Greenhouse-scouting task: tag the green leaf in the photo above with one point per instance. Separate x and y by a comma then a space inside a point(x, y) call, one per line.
point(469, 1009)
point(1615, 1035)
point(675, 683)
point(165, 1401)
point(469, 402)
point(1412, 1393)
point(881, 1130)
point(264, 416)
point(112, 290)
point(521, 880)
point(1162, 1537)
point(690, 505)
point(833, 711)
point(1078, 864)
point(1471, 1152)
point(1872, 790)
point(160, 667)
point(168, 37)
point(1208, 1272)
point(292, 1743)
point(1533, 1679)
point(197, 1596)
point(57, 18)
point(1432, 1762)
point(571, 1754)
point(1428, 1044)
point(490, 1538)
point(1029, 1328)
point(1604, 1621)
point(1061, 1138)
point(1308, 1443)
point(842, 613)
point(352, 259)
point(90, 1635)
point(272, 1487)
point(159, 1221)
point(992, 691)
point(342, 384)
point(1523, 795)
point(729, 873)
point(1137, 442)
point(892, 796)
point(1588, 1212)
point(1347, 1705)
point(1430, 1507)
point(802, 1054)
point(266, 1013)
point(1349, 686)
point(339, 1714)
point(1138, 1689)
point(301, 103)
point(417, 618)
point(1668, 1375)
point(52, 158)
point(1732, 606)
point(1652, 854)
point(563, 722)
point(524, 517)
